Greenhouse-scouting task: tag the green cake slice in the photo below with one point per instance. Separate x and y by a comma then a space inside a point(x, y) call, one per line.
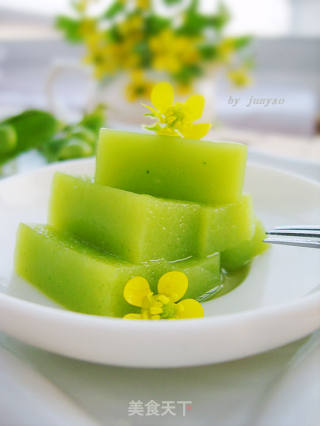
point(83, 280)
point(135, 227)
point(139, 227)
point(224, 227)
point(238, 256)
point(171, 167)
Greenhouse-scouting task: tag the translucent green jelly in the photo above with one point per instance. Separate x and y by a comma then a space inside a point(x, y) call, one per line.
point(171, 167)
point(84, 280)
point(138, 227)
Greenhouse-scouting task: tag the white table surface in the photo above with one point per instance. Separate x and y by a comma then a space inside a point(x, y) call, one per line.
point(277, 388)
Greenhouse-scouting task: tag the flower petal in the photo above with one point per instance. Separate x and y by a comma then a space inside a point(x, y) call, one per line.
point(162, 96)
point(133, 316)
point(189, 308)
point(196, 131)
point(166, 131)
point(240, 77)
point(136, 290)
point(194, 106)
point(173, 284)
point(150, 108)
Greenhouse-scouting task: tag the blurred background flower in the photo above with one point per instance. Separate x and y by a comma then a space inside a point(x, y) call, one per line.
point(182, 43)
point(256, 63)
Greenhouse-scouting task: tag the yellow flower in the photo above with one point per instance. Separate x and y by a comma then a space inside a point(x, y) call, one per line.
point(138, 87)
point(176, 119)
point(171, 52)
point(81, 5)
point(103, 59)
point(240, 77)
point(226, 50)
point(143, 4)
point(172, 286)
point(132, 27)
point(183, 89)
point(88, 28)
point(110, 57)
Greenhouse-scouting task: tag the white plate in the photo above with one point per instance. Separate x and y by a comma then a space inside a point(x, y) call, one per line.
point(278, 303)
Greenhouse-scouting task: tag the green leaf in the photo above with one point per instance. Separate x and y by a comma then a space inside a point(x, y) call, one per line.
point(95, 119)
point(70, 28)
point(76, 140)
point(8, 139)
point(221, 18)
point(155, 24)
point(143, 50)
point(188, 73)
point(153, 127)
point(52, 148)
point(194, 6)
point(84, 133)
point(113, 34)
point(75, 148)
point(242, 41)
point(33, 129)
point(195, 22)
point(171, 2)
point(208, 51)
point(114, 9)
point(66, 148)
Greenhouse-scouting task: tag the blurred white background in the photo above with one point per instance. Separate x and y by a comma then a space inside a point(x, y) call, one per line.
point(261, 18)
point(286, 49)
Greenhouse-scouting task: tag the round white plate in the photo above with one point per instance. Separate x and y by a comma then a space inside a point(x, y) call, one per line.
point(279, 301)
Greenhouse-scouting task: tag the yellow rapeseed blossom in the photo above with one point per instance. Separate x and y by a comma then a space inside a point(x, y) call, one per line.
point(103, 59)
point(81, 5)
point(139, 86)
point(131, 34)
point(171, 52)
point(143, 4)
point(108, 58)
point(172, 286)
point(240, 77)
point(131, 28)
point(176, 119)
point(88, 28)
point(183, 89)
point(226, 50)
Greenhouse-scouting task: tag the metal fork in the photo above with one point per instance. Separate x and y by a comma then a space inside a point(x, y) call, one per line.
point(298, 235)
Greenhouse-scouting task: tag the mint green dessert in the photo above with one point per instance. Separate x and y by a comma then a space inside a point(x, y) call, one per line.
point(138, 227)
point(84, 280)
point(135, 227)
point(240, 255)
point(223, 227)
point(171, 167)
point(157, 204)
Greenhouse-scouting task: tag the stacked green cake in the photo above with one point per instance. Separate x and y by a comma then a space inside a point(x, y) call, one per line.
point(157, 204)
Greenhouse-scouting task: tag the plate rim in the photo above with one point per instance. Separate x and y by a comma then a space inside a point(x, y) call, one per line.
point(194, 341)
point(52, 312)
point(222, 318)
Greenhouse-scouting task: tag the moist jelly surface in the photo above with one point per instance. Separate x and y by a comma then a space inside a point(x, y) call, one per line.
point(157, 204)
point(139, 227)
point(85, 280)
point(135, 227)
point(238, 256)
point(171, 167)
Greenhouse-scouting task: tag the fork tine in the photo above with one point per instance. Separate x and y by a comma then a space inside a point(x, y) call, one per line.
point(293, 241)
point(295, 233)
point(299, 228)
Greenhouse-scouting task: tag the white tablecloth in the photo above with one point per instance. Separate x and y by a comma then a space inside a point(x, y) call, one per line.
point(277, 388)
